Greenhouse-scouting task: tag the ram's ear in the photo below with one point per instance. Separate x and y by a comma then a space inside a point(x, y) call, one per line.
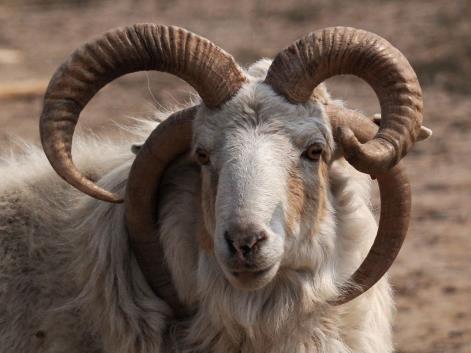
point(424, 132)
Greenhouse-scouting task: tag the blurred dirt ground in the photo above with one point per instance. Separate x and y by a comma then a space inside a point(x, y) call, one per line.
point(432, 276)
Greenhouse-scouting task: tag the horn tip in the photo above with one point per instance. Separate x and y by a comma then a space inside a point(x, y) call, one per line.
point(107, 197)
point(91, 189)
point(116, 200)
point(424, 133)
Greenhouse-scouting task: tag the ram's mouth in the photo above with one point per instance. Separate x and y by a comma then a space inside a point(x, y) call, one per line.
point(252, 279)
point(250, 273)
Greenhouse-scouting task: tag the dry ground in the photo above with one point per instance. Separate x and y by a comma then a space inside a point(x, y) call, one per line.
point(432, 276)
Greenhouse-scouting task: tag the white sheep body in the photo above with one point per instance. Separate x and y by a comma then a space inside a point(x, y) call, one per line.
point(69, 281)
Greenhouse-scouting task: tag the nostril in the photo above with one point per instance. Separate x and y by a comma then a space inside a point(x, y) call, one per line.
point(261, 237)
point(244, 246)
point(230, 243)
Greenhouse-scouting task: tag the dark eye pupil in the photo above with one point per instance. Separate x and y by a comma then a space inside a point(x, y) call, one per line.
point(203, 157)
point(314, 152)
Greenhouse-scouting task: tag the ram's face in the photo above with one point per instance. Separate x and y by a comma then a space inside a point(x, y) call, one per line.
point(264, 171)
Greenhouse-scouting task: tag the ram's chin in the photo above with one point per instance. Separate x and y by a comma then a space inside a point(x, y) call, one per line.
point(251, 280)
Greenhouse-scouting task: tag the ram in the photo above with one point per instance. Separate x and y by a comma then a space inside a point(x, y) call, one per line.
point(246, 223)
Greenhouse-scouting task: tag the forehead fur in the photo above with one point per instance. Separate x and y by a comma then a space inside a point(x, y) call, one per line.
point(257, 106)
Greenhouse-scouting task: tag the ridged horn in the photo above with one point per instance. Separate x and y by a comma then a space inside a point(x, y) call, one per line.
point(394, 219)
point(211, 71)
point(298, 69)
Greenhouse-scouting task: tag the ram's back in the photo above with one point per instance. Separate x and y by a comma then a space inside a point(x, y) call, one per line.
point(36, 216)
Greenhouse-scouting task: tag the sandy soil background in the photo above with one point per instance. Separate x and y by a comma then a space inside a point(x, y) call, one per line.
point(432, 277)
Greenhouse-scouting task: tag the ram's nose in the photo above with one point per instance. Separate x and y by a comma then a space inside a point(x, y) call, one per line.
point(244, 240)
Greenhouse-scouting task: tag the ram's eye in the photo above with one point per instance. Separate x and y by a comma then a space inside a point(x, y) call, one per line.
point(202, 156)
point(313, 152)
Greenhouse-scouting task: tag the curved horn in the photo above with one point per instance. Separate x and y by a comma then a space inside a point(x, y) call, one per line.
point(211, 71)
point(395, 196)
point(298, 69)
point(170, 139)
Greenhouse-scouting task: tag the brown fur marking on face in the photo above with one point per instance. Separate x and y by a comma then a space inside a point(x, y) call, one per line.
point(204, 239)
point(306, 200)
point(208, 199)
point(323, 187)
point(296, 199)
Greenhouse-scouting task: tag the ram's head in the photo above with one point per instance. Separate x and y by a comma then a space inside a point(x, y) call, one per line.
point(264, 143)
